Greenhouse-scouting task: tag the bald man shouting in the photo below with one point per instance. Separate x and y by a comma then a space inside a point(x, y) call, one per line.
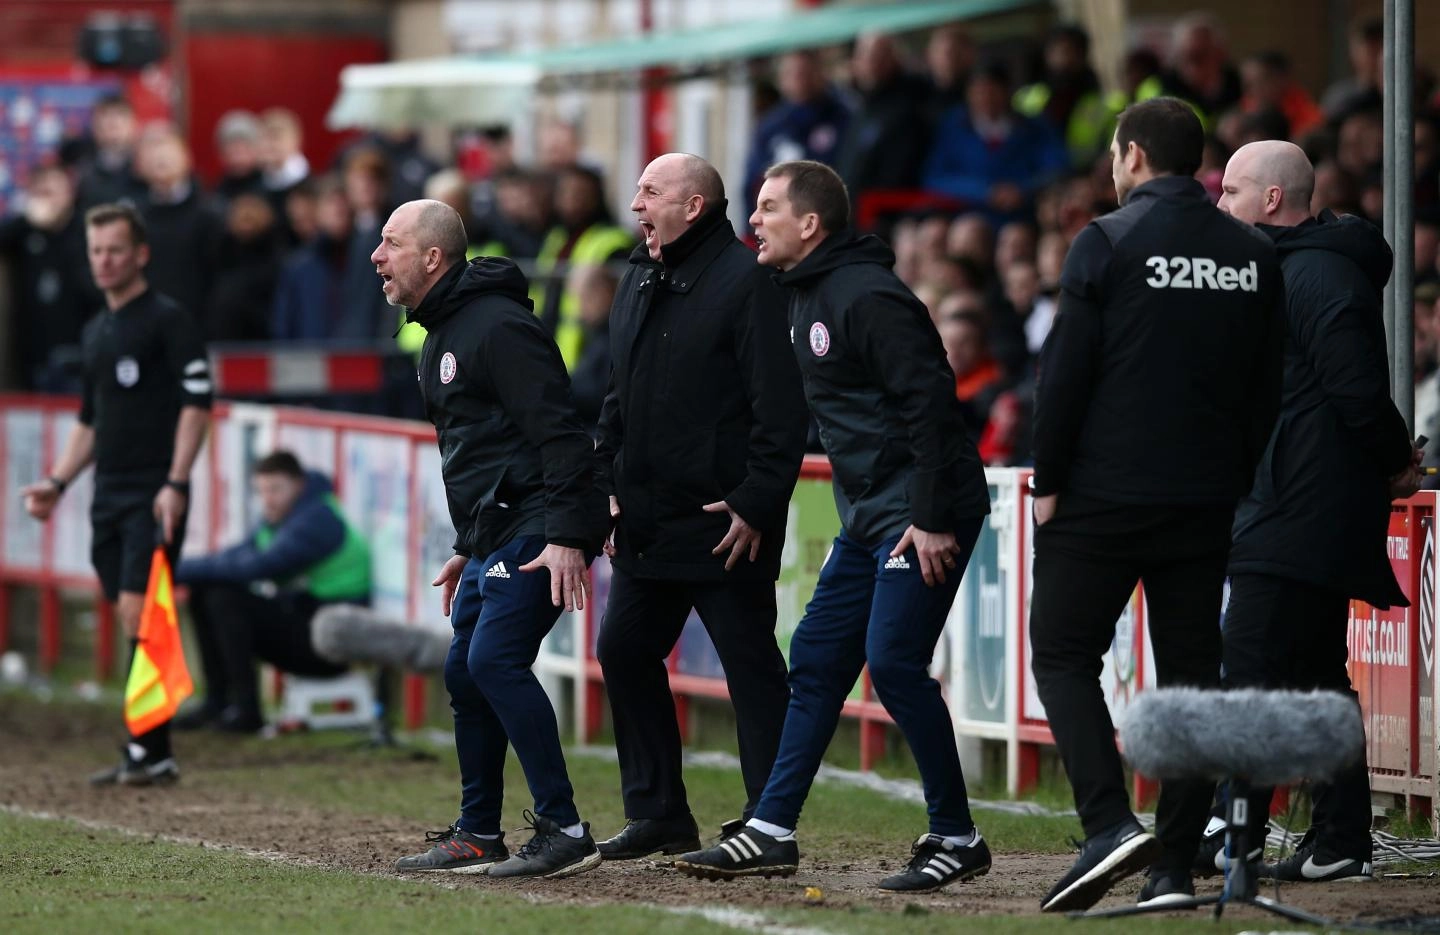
point(1311, 534)
point(699, 444)
point(518, 469)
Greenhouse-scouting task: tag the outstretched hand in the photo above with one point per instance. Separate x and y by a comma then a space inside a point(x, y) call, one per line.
point(569, 578)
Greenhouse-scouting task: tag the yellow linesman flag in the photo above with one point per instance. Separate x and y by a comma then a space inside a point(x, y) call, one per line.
point(159, 679)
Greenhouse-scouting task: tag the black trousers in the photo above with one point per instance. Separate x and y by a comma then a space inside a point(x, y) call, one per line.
point(1088, 559)
point(642, 624)
point(234, 627)
point(1286, 634)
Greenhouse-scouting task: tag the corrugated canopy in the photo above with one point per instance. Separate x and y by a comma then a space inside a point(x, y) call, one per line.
point(493, 88)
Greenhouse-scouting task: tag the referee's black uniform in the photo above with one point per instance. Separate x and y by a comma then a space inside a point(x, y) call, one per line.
point(143, 362)
point(1158, 388)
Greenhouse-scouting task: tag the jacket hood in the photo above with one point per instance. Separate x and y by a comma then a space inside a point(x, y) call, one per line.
point(465, 282)
point(842, 248)
point(316, 485)
point(1354, 238)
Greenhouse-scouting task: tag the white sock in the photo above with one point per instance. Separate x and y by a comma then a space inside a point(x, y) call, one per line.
point(576, 830)
point(963, 840)
point(775, 831)
point(136, 751)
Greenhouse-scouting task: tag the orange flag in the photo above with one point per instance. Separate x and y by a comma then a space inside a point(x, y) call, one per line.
point(159, 679)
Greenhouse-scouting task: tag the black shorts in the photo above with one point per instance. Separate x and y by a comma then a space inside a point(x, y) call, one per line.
point(123, 540)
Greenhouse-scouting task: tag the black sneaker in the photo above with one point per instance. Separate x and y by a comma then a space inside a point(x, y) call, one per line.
point(550, 853)
point(149, 771)
point(1167, 887)
point(937, 863)
point(1314, 863)
point(456, 850)
point(642, 837)
point(1210, 859)
point(1105, 859)
point(746, 853)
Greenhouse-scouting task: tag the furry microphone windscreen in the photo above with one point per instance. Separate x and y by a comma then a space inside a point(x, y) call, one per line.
point(1270, 738)
point(346, 633)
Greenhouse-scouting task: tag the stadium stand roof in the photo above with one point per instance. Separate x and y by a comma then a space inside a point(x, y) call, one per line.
point(493, 88)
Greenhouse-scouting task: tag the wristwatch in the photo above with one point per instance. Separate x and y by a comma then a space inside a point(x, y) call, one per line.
point(180, 486)
point(57, 483)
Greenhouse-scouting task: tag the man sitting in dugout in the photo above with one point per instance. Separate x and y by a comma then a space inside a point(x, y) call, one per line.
point(257, 599)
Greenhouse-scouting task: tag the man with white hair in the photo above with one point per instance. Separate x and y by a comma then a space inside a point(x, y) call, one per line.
point(1311, 535)
point(518, 469)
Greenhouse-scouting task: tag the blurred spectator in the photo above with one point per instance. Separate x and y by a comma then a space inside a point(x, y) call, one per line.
point(988, 155)
point(585, 235)
point(971, 237)
point(184, 227)
point(1334, 189)
point(1140, 75)
point(1427, 376)
point(309, 299)
point(237, 137)
point(248, 269)
point(108, 174)
point(886, 139)
point(410, 168)
point(1050, 259)
point(1200, 71)
point(594, 287)
point(978, 375)
point(521, 217)
point(557, 146)
point(949, 57)
point(1427, 160)
point(1015, 243)
point(449, 186)
point(1035, 308)
point(365, 316)
point(1069, 97)
point(1269, 85)
point(1360, 142)
point(1426, 240)
point(282, 159)
point(302, 207)
point(1362, 88)
point(807, 125)
point(51, 295)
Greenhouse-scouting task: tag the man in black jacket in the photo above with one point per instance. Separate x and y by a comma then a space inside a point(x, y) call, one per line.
point(518, 477)
point(1311, 534)
point(701, 438)
point(1158, 387)
point(911, 495)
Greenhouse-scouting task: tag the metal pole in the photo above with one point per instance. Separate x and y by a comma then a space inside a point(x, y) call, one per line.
point(1404, 180)
point(1387, 216)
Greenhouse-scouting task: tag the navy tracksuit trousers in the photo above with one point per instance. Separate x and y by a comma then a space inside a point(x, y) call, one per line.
point(869, 609)
point(500, 615)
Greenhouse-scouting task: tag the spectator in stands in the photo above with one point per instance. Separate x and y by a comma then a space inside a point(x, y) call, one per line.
point(1140, 74)
point(238, 139)
point(1269, 85)
point(1015, 243)
point(1367, 56)
point(108, 175)
point(1069, 97)
point(1427, 160)
point(886, 139)
point(979, 378)
point(1427, 376)
point(950, 57)
point(1200, 71)
point(302, 207)
point(521, 217)
point(585, 235)
point(557, 146)
point(594, 288)
point(255, 600)
point(248, 267)
point(988, 155)
point(365, 315)
point(1360, 142)
point(1050, 259)
point(1334, 189)
point(1426, 240)
point(410, 168)
point(309, 299)
point(51, 295)
point(808, 124)
point(282, 159)
point(971, 237)
point(184, 227)
point(450, 187)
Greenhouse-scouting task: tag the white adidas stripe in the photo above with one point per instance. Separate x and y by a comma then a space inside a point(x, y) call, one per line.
point(933, 872)
point(748, 845)
point(945, 860)
point(731, 849)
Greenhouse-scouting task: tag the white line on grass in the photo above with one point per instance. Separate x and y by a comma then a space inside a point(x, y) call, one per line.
point(744, 920)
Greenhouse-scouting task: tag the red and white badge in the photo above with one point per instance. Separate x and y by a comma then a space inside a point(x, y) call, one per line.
point(447, 367)
point(819, 339)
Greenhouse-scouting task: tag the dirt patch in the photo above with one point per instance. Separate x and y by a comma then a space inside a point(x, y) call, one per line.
point(46, 754)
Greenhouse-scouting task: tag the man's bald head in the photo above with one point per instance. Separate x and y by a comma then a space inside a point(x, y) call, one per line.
point(674, 191)
point(420, 242)
point(1268, 182)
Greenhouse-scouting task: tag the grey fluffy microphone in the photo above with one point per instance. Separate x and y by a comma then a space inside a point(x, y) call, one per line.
point(1268, 738)
point(346, 633)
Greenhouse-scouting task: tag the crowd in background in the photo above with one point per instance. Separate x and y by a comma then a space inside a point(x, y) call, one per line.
point(1011, 155)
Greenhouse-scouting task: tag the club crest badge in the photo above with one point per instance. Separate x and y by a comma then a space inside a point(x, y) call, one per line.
point(127, 372)
point(447, 367)
point(819, 339)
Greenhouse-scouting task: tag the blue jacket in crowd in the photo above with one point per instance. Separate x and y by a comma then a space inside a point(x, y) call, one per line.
point(963, 165)
point(789, 131)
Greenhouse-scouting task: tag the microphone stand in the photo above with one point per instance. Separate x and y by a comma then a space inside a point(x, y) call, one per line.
point(1241, 886)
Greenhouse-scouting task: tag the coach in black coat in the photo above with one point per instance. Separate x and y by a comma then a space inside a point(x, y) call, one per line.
point(699, 443)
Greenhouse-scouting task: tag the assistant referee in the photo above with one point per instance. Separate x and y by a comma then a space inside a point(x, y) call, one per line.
point(1158, 388)
point(143, 416)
